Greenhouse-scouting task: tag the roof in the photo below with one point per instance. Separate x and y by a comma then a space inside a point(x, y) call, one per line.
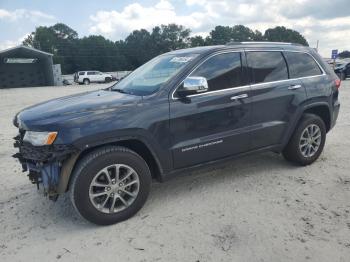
point(25, 49)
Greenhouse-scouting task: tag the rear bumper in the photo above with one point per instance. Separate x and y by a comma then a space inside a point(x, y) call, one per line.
point(43, 163)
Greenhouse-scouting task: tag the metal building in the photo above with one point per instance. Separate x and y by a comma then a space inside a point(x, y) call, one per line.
point(24, 66)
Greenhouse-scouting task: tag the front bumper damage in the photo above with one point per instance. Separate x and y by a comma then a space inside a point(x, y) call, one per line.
point(46, 164)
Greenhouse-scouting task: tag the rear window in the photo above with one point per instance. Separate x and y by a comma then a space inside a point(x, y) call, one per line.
point(267, 66)
point(302, 65)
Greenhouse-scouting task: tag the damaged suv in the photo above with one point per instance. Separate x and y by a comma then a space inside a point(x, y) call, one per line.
point(181, 110)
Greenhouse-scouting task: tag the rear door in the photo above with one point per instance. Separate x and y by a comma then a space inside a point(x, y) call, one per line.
point(275, 97)
point(304, 67)
point(92, 76)
point(215, 124)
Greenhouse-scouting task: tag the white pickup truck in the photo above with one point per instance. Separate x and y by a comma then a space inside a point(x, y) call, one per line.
point(87, 77)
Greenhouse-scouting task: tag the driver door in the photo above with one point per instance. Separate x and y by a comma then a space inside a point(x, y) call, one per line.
point(214, 124)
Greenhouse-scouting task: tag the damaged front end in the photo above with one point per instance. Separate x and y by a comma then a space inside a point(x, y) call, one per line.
point(47, 165)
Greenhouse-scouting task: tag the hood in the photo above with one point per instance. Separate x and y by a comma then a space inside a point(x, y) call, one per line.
point(74, 106)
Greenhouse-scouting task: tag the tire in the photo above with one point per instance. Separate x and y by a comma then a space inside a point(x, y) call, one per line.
point(108, 79)
point(85, 173)
point(295, 151)
point(86, 81)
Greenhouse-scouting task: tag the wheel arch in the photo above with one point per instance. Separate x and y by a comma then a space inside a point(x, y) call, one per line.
point(137, 145)
point(322, 110)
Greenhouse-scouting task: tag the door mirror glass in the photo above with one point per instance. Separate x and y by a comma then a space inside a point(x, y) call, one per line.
point(193, 85)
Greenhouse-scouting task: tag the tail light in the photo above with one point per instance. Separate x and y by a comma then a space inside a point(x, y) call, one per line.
point(337, 83)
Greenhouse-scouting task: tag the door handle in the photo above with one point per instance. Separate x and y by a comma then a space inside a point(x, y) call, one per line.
point(239, 96)
point(293, 87)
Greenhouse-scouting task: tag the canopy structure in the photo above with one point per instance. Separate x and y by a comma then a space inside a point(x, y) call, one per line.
point(23, 66)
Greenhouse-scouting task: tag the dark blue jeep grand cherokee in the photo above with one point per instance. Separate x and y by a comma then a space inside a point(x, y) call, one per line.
point(183, 109)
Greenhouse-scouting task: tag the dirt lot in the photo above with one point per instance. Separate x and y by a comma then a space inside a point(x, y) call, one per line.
point(257, 208)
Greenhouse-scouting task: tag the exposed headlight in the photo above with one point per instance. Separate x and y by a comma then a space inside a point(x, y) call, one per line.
point(39, 138)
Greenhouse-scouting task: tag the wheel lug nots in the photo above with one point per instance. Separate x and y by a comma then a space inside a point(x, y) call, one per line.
point(120, 184)
point(119, 192)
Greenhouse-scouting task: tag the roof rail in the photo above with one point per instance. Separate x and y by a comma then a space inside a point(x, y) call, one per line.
point(260, 42)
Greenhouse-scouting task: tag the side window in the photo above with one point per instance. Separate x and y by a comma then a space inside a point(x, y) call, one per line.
point(221, 71)
point(301, 65)
point(267, 66)
point(90, 73)
point(81, 73)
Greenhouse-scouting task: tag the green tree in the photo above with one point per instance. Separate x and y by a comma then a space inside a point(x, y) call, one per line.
point(282, 34)
point(344, 54)
point(138, 47)
point(170, 37)
point(98, 53)
point(197, 41)
point(241, 33)
point(222, 35)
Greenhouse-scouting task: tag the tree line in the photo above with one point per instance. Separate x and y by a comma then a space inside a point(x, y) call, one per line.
point(95, 52)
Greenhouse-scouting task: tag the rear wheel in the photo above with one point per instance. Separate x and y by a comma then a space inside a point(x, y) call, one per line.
point(86, 81)
point(110, 185)
point(307, 141)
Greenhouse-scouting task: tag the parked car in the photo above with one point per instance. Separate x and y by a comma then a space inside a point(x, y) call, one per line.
point(342, 70)
point(182, 110)
point(87, 77)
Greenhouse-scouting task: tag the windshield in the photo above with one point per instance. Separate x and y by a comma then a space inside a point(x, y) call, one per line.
point(150, 77)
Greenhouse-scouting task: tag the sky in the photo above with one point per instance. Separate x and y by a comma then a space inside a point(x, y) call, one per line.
point(323, 20)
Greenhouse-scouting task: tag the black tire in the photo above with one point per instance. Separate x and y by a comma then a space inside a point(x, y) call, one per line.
point(86, 170)
point(293, 153)
point(108, 79)
point(86, 81)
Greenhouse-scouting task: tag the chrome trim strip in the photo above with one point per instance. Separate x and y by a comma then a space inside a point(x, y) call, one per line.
point(252, 85)
point(266, 42)
point(216, 91)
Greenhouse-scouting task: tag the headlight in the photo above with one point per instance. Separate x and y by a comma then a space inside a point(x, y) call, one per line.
point(40, 138)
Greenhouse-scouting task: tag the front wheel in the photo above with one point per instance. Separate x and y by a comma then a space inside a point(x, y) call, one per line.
point(110, 185)
point(307, 141)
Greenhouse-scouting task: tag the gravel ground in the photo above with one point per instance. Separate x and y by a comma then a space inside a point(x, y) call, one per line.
point(257, 208)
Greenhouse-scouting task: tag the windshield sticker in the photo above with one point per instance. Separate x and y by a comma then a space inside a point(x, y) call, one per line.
point(181, 59)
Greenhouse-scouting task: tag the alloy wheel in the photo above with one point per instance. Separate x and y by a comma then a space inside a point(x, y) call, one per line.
point(114, 188)
point(310, 140)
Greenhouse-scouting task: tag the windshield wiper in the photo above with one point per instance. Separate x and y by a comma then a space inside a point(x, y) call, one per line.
point(118, 90)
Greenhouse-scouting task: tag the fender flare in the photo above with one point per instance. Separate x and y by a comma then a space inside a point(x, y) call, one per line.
point(69, 164)
point(298, 118)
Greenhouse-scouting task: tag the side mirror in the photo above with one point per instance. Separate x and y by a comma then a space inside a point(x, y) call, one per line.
point(193, 85)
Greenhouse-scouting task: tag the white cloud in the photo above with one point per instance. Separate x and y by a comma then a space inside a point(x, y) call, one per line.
point(32, 15)
point(12, 43)
point(118, 25)
point(22, 20)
